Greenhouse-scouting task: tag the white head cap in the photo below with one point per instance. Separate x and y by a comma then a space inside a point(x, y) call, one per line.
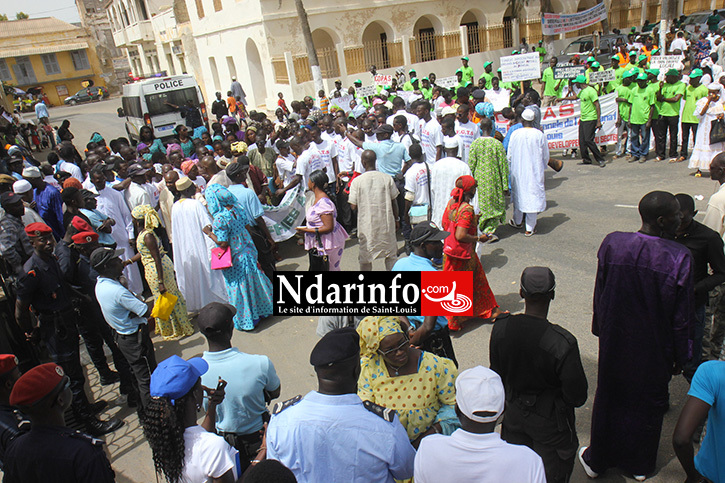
point(32, 172)
point(234, 77)
point(528, 115)
point(21, 186)
point(480, 395)
point(448, 110)
point(715, 86)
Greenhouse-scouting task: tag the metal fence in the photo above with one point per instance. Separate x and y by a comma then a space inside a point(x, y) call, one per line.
point(382, 55)
point(426, 47)
point(328, 65)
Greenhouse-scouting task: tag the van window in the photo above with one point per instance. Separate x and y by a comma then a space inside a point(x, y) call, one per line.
point(132, 106)
point(156, 103)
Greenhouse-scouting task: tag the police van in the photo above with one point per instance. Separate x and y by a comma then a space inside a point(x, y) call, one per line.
point(144, 103)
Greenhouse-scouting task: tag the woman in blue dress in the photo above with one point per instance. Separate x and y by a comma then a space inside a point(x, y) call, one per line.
point(248, 288)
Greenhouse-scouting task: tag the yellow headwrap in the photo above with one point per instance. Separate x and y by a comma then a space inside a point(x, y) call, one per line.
point(149, 216)
point(373, 330)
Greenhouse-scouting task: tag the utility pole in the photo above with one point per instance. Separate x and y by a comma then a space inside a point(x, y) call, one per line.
point(311, 52)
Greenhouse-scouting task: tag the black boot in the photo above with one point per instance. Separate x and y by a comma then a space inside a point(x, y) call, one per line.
point(98, 406)
point(110, 377)
point(96, 427)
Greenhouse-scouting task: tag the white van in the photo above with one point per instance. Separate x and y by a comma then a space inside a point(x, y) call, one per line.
point(144, 104)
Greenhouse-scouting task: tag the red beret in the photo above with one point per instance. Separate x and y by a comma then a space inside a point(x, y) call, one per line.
point(8, 362)
point(38, 229)
point(80, 224)
point(35, 384)
point(85, 237)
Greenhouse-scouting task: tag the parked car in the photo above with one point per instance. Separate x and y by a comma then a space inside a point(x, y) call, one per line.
point(87, 94)
point(584, 46)
point(700, 18)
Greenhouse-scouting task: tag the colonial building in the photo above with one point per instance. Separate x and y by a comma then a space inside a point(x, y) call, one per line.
point(48, 55)
point(113, 61)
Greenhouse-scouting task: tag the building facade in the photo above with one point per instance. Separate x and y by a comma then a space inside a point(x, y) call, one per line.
point(50, 56)
point(113, 61)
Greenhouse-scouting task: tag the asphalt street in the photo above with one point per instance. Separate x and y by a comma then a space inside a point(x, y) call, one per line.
point(584, 204)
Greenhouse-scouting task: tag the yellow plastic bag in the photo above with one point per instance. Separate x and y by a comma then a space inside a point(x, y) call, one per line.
point(164, 305)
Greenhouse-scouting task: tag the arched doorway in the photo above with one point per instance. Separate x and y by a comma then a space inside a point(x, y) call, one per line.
point(476, 37)
point(425, 30)
point(508, 29)
point(375, 40)
point(256, 75)
point(326, 53)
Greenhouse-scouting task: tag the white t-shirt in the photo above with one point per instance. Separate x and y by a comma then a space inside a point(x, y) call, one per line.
point(430, 136)
point(500, 98)
point(371, 138)
point(327, 151)
point(411, 118)
point(70, 168)
point(416, 184)
point(678, 44)
point(286, 168)
point(135, 195)
point(309, 161)
point(206, 456)
point(456, 139)
point(468, 132)
point(465, 457)
point(404, 139)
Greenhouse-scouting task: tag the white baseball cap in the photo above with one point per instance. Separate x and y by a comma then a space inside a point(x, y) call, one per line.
point(21, 186)
point(480, 390)
point(448, 110)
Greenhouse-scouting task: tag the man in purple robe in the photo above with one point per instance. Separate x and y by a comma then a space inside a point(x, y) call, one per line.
point(643, 316)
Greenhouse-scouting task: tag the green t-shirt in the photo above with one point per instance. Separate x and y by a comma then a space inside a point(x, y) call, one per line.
point(427, 93)
point(712, 21)
point(467, 74)
point(587, 97)
point(670, 109)
point(641, 101)
point(542, 53)
point(652, 89)
point(624, 107)
point(692, 95)
point(408, 86)
point(549, 83)
point(488, 78)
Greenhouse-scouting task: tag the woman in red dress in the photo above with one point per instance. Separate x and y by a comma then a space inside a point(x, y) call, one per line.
point(459, 250)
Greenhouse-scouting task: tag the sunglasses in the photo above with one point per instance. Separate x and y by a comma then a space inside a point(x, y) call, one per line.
point(402, 346)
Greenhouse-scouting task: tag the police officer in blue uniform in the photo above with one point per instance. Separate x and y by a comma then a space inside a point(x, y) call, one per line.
point(12, 421)
point(330, 435)
point(43, 287)
point(68, 456)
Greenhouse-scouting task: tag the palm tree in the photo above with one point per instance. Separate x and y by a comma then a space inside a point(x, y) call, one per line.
point(310, 45)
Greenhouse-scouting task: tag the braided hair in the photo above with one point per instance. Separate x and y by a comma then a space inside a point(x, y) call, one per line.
point(164, 429)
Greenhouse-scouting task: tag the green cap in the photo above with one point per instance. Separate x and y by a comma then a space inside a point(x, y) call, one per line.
point(459, 71)
point(642, 76)
point(515, 52)
point(632, 52)
point(357, 81)
point(641, 58)
point(595, 64)
point(411, 71)
point(633, 29)
point(696, 73)
point(486, 64)
point(580, 79)
point(615, 57)
point(499, 70)
point(654, 72)
point(464, 58)
point(655, 50)
point(413, 79)
point(591, 59)
point(672, 72)
point(629, 73)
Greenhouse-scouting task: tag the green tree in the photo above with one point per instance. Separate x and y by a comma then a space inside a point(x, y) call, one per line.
point(3, 17)
point(21, 16)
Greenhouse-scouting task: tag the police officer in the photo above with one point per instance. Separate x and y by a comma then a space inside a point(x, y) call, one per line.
point(42, 285)
point(44, 393)
point(542, 375)
point(12, 422)
point(330, 434)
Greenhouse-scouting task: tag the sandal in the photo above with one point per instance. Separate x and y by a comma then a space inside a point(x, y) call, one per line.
point(529, 233)
point(493, 238)
point(518, 227)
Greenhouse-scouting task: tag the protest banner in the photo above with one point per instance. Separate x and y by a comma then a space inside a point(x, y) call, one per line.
point(561, 123)
point(555, 24)
point(601, 77)
point(366, 91)
point(665, 62)
point(568, 71)
point(343, 102)
point(520, 67)
point(282, 220)
point(383, 80)
point(447, 82)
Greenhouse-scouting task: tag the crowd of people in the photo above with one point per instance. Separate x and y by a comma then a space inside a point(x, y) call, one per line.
point(97, 239)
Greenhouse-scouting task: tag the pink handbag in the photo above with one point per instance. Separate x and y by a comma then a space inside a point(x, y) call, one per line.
point(221, 258)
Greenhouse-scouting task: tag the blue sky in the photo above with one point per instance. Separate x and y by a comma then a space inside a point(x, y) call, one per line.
point(62, 9)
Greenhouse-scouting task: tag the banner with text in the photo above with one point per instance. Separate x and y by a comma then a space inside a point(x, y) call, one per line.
point(383, 80)
point(568, 71)
point(665, 62)
point(343, 102)
point(554, 24)
point(282, 220)
point(520, 67)
point(561, 123)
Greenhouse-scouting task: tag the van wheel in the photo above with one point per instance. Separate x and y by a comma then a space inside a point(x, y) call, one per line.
point(72, 102)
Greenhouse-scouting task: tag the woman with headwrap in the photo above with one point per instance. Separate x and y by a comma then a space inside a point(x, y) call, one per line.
point(459, 250)
point(248, 288)
point(190, 169)
point(707, 110)
point(146, 136)
point(418, 385)
point(159, 271)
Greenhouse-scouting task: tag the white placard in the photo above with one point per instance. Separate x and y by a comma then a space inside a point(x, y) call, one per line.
point(520, 67)
point(383, 80)
point(342, 102)
point(447, 82)
point(601, 77)
point(365, 91)
point(665, 62)
point(554, 24)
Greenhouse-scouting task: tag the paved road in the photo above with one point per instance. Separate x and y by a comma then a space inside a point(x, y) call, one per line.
point(584, 204)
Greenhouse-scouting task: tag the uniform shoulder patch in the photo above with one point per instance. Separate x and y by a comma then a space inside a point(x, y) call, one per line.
point(281, 406)
point(86, 437)
point(383, 412)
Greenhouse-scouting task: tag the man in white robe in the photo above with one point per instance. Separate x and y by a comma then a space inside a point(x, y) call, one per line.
point(192, 251)
point(528, 156)
point(443, 176)
point(112, 204)
point(373, 194)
